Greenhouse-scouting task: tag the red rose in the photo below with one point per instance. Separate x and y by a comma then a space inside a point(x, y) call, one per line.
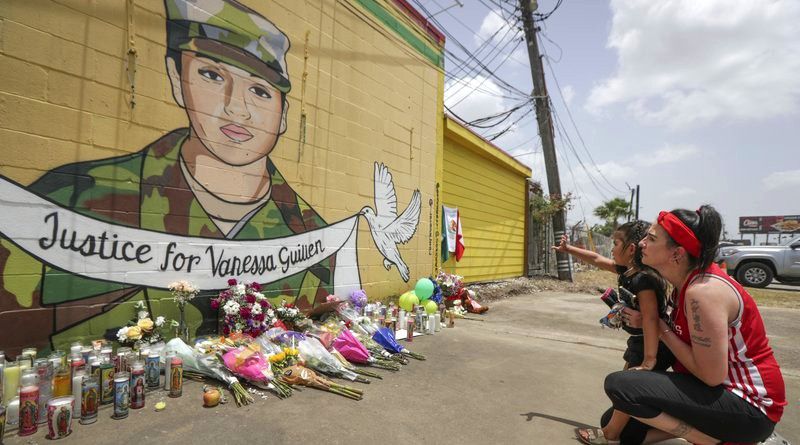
point(232, 282)
point(250, 299)
point(260, 317)
point(256, 287)
point(244, 312)
point(264, 303)
point(214, 304)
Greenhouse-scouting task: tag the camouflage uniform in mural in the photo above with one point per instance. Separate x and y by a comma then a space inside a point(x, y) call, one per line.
point(149, 190)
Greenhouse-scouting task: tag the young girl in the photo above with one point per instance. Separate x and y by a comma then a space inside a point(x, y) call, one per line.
point(644, 351)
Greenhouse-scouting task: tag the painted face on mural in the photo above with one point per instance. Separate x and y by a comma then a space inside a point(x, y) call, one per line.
point(238, 116)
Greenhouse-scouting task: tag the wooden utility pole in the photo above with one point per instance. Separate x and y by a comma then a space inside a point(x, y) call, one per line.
point(545, 131)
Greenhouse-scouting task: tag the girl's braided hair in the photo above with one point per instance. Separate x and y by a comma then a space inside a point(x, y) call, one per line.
point(633, 232)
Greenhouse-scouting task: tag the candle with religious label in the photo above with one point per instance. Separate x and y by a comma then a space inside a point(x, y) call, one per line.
point(90, 399)
point(106, 381)
point(167, 365)
point(176, 377)
point(152, 369)
point(59, 417)
point(410, 329)
point(62, 383)
point(45, 371)
point(122, 398)
point(28, 402)
point(86, 353)
point(11, 374)
point(137, 385)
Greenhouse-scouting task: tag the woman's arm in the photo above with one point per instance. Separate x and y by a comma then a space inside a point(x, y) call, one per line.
point(708, 310)
point(648, 305)
point(588, 256)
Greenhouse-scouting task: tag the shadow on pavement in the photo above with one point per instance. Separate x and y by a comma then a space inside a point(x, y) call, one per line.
point(572, 423)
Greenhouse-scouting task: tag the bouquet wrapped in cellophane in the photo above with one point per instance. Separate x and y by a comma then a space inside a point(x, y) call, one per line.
point(300, 375)
point(196, 364)
point(319, 359)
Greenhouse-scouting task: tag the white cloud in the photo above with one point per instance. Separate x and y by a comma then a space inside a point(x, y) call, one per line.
point(781, 180)
point(493, 27)
point(680, 192)
point(474, 97)
point(666, 155)
point(687, 62)
point(569, 94)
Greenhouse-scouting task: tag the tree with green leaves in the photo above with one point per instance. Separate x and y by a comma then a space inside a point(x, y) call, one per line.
point(612, 210)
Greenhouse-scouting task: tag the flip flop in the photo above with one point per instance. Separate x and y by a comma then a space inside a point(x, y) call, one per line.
point(594, 436)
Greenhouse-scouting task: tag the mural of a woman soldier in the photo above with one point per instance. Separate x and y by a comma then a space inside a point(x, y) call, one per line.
point(227, 68)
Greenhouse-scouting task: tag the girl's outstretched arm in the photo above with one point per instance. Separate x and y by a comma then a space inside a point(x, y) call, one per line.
point(593, 258)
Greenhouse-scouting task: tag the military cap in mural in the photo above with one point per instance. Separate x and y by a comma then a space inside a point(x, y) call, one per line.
point(232, 33)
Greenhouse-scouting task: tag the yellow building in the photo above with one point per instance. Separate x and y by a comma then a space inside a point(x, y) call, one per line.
point(489, 188)
point(266, 127)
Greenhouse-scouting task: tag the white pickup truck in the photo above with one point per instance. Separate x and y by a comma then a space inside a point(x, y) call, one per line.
point(757, 266)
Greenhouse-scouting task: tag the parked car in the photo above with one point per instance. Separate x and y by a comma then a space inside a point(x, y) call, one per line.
point(757, 266)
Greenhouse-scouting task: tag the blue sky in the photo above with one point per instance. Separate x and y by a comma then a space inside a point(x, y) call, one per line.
point(695, 101)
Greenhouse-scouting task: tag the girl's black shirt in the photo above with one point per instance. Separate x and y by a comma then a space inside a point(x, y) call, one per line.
point(636, 283)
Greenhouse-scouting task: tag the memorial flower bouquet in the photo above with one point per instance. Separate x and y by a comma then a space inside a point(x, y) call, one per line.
point(244, 309)
point(289, 315)
point(143, 329)
point(452, 285)
point(183, 292)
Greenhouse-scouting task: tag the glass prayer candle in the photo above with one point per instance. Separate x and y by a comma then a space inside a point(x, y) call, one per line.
point(77, 382)
point(12, 411)
point(121, 359)
point(62, 383)
point(152, 368)
point(75, 348)
point(76, 362)
point(137, 385)
point(24, 362)
point(11, 374)
point(2, 421)
point(90, 399)
point(60, 412)
point(167, 367)
point(30, 353)
point(121, 395)
point(176, 377)
point(28, 402)
point(106, 382)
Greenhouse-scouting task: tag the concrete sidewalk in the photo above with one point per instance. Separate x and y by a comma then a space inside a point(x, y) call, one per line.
point(529, 374)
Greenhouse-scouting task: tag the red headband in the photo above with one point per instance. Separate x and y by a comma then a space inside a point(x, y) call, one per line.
point(681, 233)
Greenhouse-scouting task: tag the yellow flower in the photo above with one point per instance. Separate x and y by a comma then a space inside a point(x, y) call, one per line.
point(277, 357)
point(145, 324)
point(134, 333)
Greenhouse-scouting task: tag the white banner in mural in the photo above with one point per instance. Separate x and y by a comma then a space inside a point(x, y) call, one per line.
point(96, 249)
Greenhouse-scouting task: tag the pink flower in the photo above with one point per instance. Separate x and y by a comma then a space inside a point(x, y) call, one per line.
point(250, 298)
point(256, 287)
point(232, 282)
point(244, 312)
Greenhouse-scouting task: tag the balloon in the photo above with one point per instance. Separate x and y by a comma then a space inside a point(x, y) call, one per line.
point(431, 307)
point(407, 300)
point(424, 289)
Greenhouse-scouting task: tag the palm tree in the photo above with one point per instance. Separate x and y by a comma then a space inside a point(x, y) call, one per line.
point(611, 211)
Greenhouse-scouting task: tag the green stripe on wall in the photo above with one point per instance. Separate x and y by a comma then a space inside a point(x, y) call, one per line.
point(406, 34)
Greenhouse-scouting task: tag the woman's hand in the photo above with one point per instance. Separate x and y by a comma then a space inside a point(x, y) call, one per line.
point(563, 245)
point(632, 318)
point(647, 365)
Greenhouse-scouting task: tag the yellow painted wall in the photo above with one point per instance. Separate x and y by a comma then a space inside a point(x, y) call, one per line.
point(371, 95)
point(488, 187)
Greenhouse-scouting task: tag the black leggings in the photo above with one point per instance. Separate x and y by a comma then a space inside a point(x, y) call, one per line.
point(714, 411)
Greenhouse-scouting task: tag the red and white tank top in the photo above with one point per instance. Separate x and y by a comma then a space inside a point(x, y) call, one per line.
point(753, 372)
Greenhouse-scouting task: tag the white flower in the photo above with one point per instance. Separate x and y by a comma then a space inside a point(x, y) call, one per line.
point(239, 289)
point(258, 295)
point(270, 313)
point(256, 309)
point(143, 315)
point(231, 307)
point(159, 321)
point(122, 334)
point(140, 305)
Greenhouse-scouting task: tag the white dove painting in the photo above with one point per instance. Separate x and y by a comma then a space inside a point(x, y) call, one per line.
point(387, 228)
